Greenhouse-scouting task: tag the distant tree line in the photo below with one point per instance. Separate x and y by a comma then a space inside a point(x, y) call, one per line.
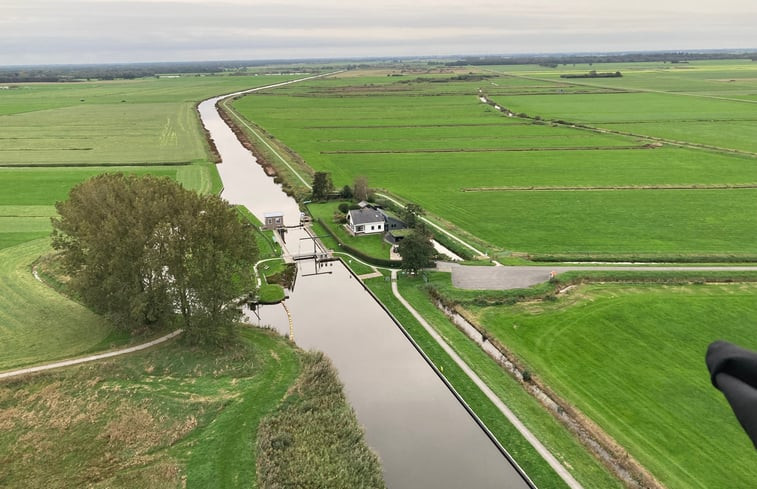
point(64, 73)
point(554, 60)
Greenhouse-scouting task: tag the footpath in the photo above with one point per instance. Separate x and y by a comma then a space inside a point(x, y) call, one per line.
point(91, 358)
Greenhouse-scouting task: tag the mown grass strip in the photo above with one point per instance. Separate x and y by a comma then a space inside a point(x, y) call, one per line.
point(224, 454)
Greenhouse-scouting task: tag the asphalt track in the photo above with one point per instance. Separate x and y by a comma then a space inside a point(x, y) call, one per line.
point(520, 277)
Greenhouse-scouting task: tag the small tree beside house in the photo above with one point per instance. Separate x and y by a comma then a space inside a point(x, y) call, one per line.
point(417, 250)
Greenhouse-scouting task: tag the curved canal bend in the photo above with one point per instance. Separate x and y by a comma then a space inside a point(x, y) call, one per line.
point(423, 435)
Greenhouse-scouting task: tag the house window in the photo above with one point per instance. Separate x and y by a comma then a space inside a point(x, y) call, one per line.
point(359, 229)
point(372, 227)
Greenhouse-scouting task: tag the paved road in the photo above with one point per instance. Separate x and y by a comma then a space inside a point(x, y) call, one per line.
point(502, 278)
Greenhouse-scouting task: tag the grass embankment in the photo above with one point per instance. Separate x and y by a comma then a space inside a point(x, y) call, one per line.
point(584, 468)
point(267, 245)
point(314, 422)
point(630, 357)
point(36, 323)
point(272, 271)
point(145, 420)
point(383, 130)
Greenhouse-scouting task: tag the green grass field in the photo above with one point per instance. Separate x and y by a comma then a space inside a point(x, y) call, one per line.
point(430, 140)
point(144, 121)
point(642, 377)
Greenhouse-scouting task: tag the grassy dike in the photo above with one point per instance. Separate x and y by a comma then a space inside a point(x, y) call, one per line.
point(584, 467)
point(161, 418)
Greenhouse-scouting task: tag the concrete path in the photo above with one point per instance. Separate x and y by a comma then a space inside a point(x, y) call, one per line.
point(541, 449)
point(519, 277)
point(91, 358)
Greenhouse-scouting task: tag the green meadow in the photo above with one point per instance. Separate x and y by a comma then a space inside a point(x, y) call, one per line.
point(427, 138)
point(145, 121)
point(642, 377)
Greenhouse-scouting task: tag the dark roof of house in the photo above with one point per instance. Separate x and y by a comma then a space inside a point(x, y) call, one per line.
point(365, 216)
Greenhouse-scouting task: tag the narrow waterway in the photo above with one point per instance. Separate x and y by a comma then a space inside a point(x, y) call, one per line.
point(423, 435)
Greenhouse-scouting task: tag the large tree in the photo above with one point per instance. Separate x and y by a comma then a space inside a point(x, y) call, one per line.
point(144, 250)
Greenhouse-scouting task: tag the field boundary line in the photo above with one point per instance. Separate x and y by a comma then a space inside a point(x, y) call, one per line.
point(486, 390)
point(484, 150)
point(91, 358)
point(612, 187)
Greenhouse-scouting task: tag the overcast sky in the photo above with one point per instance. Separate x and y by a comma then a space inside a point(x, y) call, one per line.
point(114, 31)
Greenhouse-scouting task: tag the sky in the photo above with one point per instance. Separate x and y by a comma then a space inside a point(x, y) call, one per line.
point(122, 31)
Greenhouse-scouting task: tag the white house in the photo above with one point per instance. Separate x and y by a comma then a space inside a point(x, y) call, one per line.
point(365, 221)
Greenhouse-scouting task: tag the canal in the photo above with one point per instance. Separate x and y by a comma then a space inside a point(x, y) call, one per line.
point(422, 433)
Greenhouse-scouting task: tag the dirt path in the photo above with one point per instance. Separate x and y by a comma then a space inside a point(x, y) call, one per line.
point(91, 358)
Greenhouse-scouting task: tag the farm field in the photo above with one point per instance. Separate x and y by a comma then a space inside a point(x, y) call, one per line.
point(642, 376)
point(427, 138)
point(145, 121)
